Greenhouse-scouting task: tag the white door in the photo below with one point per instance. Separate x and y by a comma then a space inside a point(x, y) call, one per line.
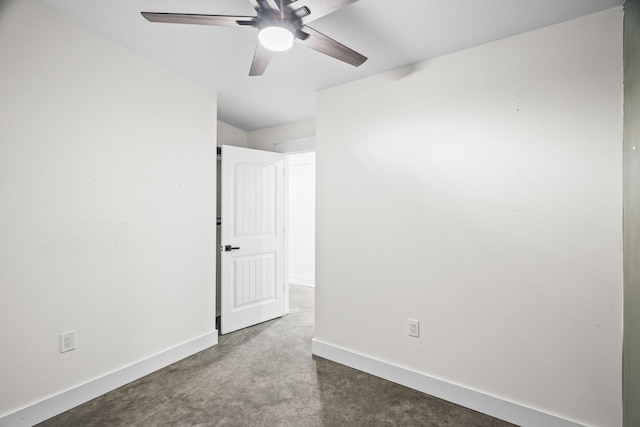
point(252, 237)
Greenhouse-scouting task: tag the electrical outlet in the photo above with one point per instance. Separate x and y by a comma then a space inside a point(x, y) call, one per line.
point(414, 328)
point(67, 341)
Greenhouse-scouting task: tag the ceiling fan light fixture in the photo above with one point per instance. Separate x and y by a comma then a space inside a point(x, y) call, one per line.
point(276, 38)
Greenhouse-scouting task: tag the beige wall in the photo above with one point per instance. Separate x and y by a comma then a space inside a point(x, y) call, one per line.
point(481, 194)
point(632, 213)
point(107, 206)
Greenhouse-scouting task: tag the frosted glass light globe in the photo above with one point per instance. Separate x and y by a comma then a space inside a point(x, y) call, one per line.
point(276, 38)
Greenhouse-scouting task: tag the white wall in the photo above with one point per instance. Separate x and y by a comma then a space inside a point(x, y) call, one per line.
point(107, 184)
point(289, 137)
point(285, 138)
point(301, 173)
point(481, 193)
point(231, 135)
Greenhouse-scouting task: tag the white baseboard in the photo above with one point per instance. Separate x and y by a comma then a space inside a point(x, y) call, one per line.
point(71, 398)
point(493, 406)
point(305, 281)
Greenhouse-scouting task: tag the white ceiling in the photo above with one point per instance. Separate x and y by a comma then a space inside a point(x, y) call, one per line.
point(390, 33)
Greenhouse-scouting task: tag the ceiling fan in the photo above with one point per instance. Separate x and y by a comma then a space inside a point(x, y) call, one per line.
point(279, 24)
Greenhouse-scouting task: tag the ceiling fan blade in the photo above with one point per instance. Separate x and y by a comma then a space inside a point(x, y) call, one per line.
point(261, 59)
point(310, 10)
point(189, 18)
point(256, 5)
point(267, 6)
point(315, 40)
point(275, 4)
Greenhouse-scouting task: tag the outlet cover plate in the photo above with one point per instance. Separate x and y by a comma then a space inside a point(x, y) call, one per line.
point(67, 341)
point(414, 328)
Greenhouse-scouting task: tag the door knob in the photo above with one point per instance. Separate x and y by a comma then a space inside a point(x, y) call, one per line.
point(229, 248)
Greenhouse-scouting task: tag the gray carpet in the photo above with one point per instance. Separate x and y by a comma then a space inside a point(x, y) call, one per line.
point(265, 376)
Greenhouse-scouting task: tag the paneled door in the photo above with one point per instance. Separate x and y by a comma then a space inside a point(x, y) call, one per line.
point(252, 237)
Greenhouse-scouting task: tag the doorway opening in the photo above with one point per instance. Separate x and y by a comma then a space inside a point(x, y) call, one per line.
point(296, 220)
